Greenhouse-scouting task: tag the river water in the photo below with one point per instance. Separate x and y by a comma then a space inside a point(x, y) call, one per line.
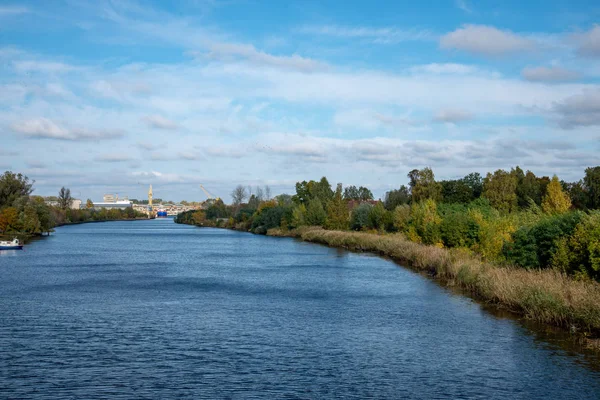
point(152, 309)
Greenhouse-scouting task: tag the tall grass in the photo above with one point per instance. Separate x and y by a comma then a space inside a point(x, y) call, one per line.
point(546, 296)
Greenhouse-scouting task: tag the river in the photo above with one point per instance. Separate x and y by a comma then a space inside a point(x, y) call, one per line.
point(152, 309)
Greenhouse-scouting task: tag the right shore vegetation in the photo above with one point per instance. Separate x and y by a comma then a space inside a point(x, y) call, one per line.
point(529, 243)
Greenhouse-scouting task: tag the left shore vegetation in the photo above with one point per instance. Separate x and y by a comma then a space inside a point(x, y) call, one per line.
point(22, 213)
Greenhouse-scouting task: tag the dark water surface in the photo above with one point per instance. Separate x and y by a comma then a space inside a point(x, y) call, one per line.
point(151, 309)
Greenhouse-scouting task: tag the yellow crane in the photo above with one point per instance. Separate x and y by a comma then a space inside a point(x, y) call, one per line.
point(209, 196)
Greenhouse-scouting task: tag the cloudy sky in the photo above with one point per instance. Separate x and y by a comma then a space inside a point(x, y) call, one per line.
point(110, 96)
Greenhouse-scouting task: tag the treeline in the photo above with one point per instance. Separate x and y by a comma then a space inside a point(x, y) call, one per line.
point(23, 213)
point(510, 217)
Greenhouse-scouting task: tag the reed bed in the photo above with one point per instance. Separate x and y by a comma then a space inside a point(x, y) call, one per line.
point(546, 296)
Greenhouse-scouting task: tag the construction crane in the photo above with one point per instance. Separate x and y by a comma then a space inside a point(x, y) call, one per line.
point(209, 196)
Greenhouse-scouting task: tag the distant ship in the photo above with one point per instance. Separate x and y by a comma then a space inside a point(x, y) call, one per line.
point(13, 245)
point(161, 214)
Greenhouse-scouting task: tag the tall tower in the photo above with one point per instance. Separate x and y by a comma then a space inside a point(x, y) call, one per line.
point(150, 213)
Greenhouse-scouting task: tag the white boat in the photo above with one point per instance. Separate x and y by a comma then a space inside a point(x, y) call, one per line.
point(12, 245)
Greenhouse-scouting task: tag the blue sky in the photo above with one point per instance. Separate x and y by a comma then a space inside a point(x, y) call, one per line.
point(111, 96)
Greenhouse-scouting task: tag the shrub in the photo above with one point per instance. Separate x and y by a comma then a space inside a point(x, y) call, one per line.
point(360, 217)
point(377, 217)
point(401, 217)
point(426, 221)
point(534, 246)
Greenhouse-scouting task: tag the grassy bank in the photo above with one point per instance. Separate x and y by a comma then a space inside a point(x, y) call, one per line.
point(545, 296)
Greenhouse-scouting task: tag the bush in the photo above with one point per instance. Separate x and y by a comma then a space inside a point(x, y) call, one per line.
point(458, 228)
point(377, 217)
point(360, 217)
point(426, 222)
point(579, 254)
point(534, 246)
point(267, 218)
point(401, 217)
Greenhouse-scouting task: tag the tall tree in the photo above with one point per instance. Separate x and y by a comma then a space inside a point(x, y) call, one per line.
point(338, 215)
point(396, 197)
point(267, 192)
point(315, 213)
point(456, 191)
point(90, 204)
point(238, 195)
point(260, 194)
point(529, 188)
point(64, 198)
point(365, 194)
point(500, 189)
point(13, 187)
point(425, 186)
point(322, 191)
point(591, 182)
point(475, 182)
point(555, 201)
point(351, 193)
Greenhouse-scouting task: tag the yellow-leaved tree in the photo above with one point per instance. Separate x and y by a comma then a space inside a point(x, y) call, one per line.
point(555, 201)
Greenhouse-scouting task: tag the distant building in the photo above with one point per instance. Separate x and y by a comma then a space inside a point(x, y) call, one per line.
point(120, 204)
point(75, 203)
point(109, 198)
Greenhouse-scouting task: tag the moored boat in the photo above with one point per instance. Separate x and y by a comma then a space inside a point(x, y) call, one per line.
point(10, 245)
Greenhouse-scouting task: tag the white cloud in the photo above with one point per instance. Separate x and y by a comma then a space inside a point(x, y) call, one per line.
point(44, 128)
point(160, 122)
point(228, 52)
point(445, 68)
point(13, 10)
point(549, 74)
point(376, 35)
point(486, 40)
point(588, 43)
point(462, 4)
point(452, 116)
point(114, 157)
point(44, 66)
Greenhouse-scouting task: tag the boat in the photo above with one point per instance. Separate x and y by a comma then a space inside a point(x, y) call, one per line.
point(161, 214)
point(12, 245)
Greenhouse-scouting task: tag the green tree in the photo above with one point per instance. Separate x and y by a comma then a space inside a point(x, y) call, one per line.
point(377, 217)
point(577, 193)
point(64, 198)
point(556, 201)
point(360, 217)
point(396, 197)
point(44, 214)
point(30, 222)
point(456, 191)
point(337, 211)
point(12, 187)
point(298, 216)
point(475, 182)
point(529, 188)
point(591, 182)
point(426, 221)
point(500, 189)
point(402, 217)
point(425, 187)
point(315, 213)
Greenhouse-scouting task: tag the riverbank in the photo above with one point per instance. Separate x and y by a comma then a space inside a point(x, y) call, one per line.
point(545, 296)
